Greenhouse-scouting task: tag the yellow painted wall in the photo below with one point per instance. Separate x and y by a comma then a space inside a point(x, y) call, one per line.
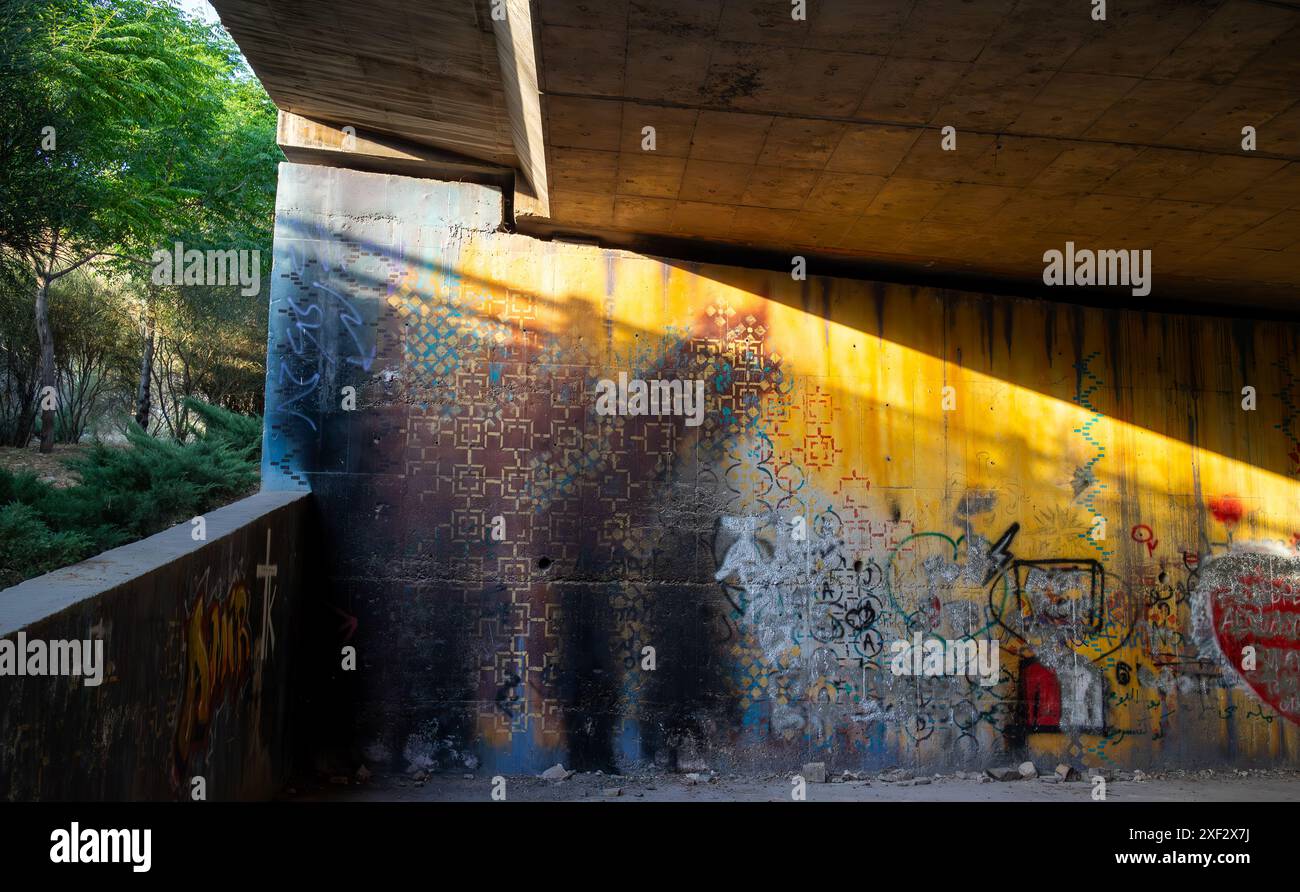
point(1076, 504)
point(1105, 434)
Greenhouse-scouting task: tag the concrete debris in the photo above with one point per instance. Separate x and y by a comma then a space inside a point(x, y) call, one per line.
point(363, 774)
point(895, 775)
point(814, 772)
point(1066, 772)
point(1003, 774)
point(557, 772)
point(1028, 770)
point(613, 792)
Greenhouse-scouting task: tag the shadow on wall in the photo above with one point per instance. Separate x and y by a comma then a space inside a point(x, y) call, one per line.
point(532, 581)
point(1181, 377)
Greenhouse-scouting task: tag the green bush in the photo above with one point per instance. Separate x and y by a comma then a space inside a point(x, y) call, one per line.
point(28, 546)
point(241, 432)
point(125, 494)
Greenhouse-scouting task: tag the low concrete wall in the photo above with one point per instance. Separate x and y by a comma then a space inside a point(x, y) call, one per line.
point(196, 654)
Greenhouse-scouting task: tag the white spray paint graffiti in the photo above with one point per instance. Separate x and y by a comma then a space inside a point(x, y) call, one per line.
point(1246, 618)
point(819, 617)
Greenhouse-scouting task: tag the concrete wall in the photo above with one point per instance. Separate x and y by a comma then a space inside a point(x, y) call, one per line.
point(198, 638)
point(1081, 487)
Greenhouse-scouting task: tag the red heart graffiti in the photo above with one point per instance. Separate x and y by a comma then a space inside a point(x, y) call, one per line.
point(1255, 602)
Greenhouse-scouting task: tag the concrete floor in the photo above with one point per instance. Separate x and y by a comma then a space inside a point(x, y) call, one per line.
point(1255, 786)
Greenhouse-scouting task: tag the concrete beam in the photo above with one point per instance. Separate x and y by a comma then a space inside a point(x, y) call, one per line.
point(515, 52)
point(307, 141)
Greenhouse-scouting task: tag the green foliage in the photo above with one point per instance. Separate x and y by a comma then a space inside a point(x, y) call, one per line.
point(125, 493)
point(28, 546)
point(95, 351)
point(161, 134)
point(139, 97)
point(19, 353)
point(241, 433)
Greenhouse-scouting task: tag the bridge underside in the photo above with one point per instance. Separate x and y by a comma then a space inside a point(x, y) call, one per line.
point(497, 236)
point(823, 137)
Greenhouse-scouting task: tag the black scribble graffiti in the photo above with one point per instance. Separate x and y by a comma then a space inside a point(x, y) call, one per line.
point(1083, 480)
point(999, 556)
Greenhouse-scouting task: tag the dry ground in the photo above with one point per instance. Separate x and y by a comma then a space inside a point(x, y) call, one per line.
point(48, 468)
point(1253, 786)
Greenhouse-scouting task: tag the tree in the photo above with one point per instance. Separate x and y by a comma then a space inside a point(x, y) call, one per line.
point(108, 116)
point(19, 354)
point(92, 325)
point(212, 336)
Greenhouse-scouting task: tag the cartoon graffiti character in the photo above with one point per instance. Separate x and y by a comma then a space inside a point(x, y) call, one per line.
point(743, 553)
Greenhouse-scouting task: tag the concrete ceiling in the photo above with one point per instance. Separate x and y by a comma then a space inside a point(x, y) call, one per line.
point(822, 137)
point(425, 71)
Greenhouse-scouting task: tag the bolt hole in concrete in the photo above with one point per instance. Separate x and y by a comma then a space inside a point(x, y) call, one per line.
point(543, 563)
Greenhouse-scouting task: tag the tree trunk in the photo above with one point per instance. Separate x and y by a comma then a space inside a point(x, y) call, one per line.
point(142, 402)
point(46, 338)
point(22, 377)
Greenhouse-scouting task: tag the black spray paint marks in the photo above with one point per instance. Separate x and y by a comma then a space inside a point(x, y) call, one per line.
point(986, 327)
point(975, 502)
point(427, 722)
point(1243, 335)
point(1009, 326)
point(1049, 331)
point(589, 677)
point(688, 695)
point(1082, 480)
point(878, 298)
point(1076, 337)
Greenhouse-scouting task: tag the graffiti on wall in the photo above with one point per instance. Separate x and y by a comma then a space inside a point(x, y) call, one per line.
point(227, 639)
point(1253, 604)
point(826, 506)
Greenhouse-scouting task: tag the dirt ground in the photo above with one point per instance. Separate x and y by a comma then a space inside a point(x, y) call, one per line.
point(48, 468)
point(1221, 786)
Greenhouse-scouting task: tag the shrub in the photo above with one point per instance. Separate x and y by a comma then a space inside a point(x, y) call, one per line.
point(241, 432)
point(125, 494)
point(28, 547)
